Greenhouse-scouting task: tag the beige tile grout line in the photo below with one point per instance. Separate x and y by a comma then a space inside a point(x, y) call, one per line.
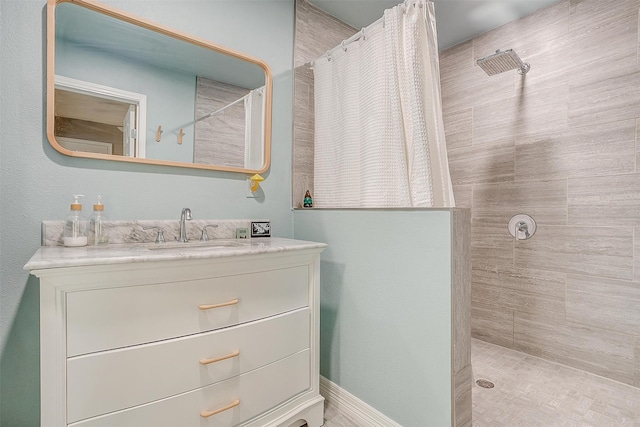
point(635, 145)
point(567, 201)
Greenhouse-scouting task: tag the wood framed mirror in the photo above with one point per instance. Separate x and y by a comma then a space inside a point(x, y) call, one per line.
point(123, 88)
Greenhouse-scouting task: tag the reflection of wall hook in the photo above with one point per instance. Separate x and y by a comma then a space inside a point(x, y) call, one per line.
point(158, 133)
point(180, 135)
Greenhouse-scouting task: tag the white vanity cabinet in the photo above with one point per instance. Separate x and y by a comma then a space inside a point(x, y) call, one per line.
point(215, 341)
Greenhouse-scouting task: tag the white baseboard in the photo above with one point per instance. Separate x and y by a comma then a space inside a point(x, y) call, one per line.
point(352, 407)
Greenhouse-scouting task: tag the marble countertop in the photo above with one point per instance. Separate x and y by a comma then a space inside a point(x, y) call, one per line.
point(60, 256)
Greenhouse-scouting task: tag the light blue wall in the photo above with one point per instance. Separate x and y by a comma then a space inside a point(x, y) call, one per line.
point(171, 95)
point(385, 315)
point(36, 181)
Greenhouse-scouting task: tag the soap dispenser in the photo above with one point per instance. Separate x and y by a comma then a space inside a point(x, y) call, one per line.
point(75, 229)
point(97, 228)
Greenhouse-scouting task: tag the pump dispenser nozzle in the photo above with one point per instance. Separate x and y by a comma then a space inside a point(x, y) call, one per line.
point(98, 206)
point(76, 206)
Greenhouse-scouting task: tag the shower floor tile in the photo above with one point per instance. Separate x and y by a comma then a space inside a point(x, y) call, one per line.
point(533, 392)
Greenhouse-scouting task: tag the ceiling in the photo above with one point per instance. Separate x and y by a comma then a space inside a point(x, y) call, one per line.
point(456, 20)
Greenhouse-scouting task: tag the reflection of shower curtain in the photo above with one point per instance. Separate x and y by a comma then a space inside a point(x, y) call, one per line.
point(254, 129)
point(379, 135)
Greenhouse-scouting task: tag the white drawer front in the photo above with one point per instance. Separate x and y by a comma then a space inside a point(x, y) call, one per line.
point(118, 317)
point(105, 382)
point(258, 391)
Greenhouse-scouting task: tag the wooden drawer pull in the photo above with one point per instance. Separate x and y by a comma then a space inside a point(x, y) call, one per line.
point(222, 304)
point(207, 414)
point(218, 359)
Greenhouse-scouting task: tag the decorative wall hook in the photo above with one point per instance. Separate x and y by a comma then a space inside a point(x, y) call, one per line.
point(254, 182)
point(159, 133)
point(180, 135)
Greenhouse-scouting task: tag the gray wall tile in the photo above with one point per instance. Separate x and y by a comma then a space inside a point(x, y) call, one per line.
point(604, 303)
point(474, 85)
point(456, 61)
point(463, 195)
point(316, 32)
point(545, 201)
point(604, 48)
point(457, 128)
point(598, 251)
point(463, 383)
point(533, 34)
point(605, 200)
point(637, 362)
point(491, 245)
point(482, 164)
point(523, 114)
point(612, 98)
point(494, 325)
point(461, 293)
point(636, 254)
point(592, 150)
point(225, 130)
point(602, 352)
point(602, 29)
point(528, 291)
point(638, 129)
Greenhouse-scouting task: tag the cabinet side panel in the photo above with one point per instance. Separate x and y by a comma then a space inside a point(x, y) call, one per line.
point(53, 400)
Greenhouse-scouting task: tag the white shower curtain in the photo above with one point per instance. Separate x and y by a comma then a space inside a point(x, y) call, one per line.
point(254, 129)
point(379, 136)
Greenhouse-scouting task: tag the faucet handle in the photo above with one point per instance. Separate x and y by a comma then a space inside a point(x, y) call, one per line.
point(160, 236)
point(204, 237)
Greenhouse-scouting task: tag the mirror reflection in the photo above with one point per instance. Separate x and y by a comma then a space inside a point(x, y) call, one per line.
point(125, 89)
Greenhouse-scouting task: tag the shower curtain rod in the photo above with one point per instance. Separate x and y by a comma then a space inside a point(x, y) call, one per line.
point(357, 36)
point(206, 116)
point(362, 33)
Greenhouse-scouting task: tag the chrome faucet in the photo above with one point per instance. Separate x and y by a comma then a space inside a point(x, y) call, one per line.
point(521, 227)
point(204, 237)
point(185, 215)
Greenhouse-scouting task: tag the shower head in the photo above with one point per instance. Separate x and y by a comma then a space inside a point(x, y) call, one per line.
point(501, 61)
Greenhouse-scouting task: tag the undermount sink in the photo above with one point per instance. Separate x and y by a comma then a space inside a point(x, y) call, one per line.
point(198, 245)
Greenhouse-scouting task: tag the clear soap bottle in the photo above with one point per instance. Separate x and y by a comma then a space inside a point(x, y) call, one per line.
point(97, 228)
point(75, 229)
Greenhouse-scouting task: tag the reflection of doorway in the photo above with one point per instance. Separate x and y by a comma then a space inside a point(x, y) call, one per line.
point(96, 118)
point(86, 145)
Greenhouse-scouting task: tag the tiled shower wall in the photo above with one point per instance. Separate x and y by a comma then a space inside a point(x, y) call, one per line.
point(316, 33)
point(559, 144)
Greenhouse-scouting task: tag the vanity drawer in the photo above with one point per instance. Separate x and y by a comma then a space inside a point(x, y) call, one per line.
point(105, 382)
point(258, 391)
point(111, 318)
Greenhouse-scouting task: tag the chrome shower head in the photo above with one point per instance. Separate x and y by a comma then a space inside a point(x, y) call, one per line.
point(501, 61)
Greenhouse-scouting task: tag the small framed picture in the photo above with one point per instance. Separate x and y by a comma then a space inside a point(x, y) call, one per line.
point(261, 229)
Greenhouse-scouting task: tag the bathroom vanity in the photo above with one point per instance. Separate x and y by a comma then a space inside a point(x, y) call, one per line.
point(190, 335)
